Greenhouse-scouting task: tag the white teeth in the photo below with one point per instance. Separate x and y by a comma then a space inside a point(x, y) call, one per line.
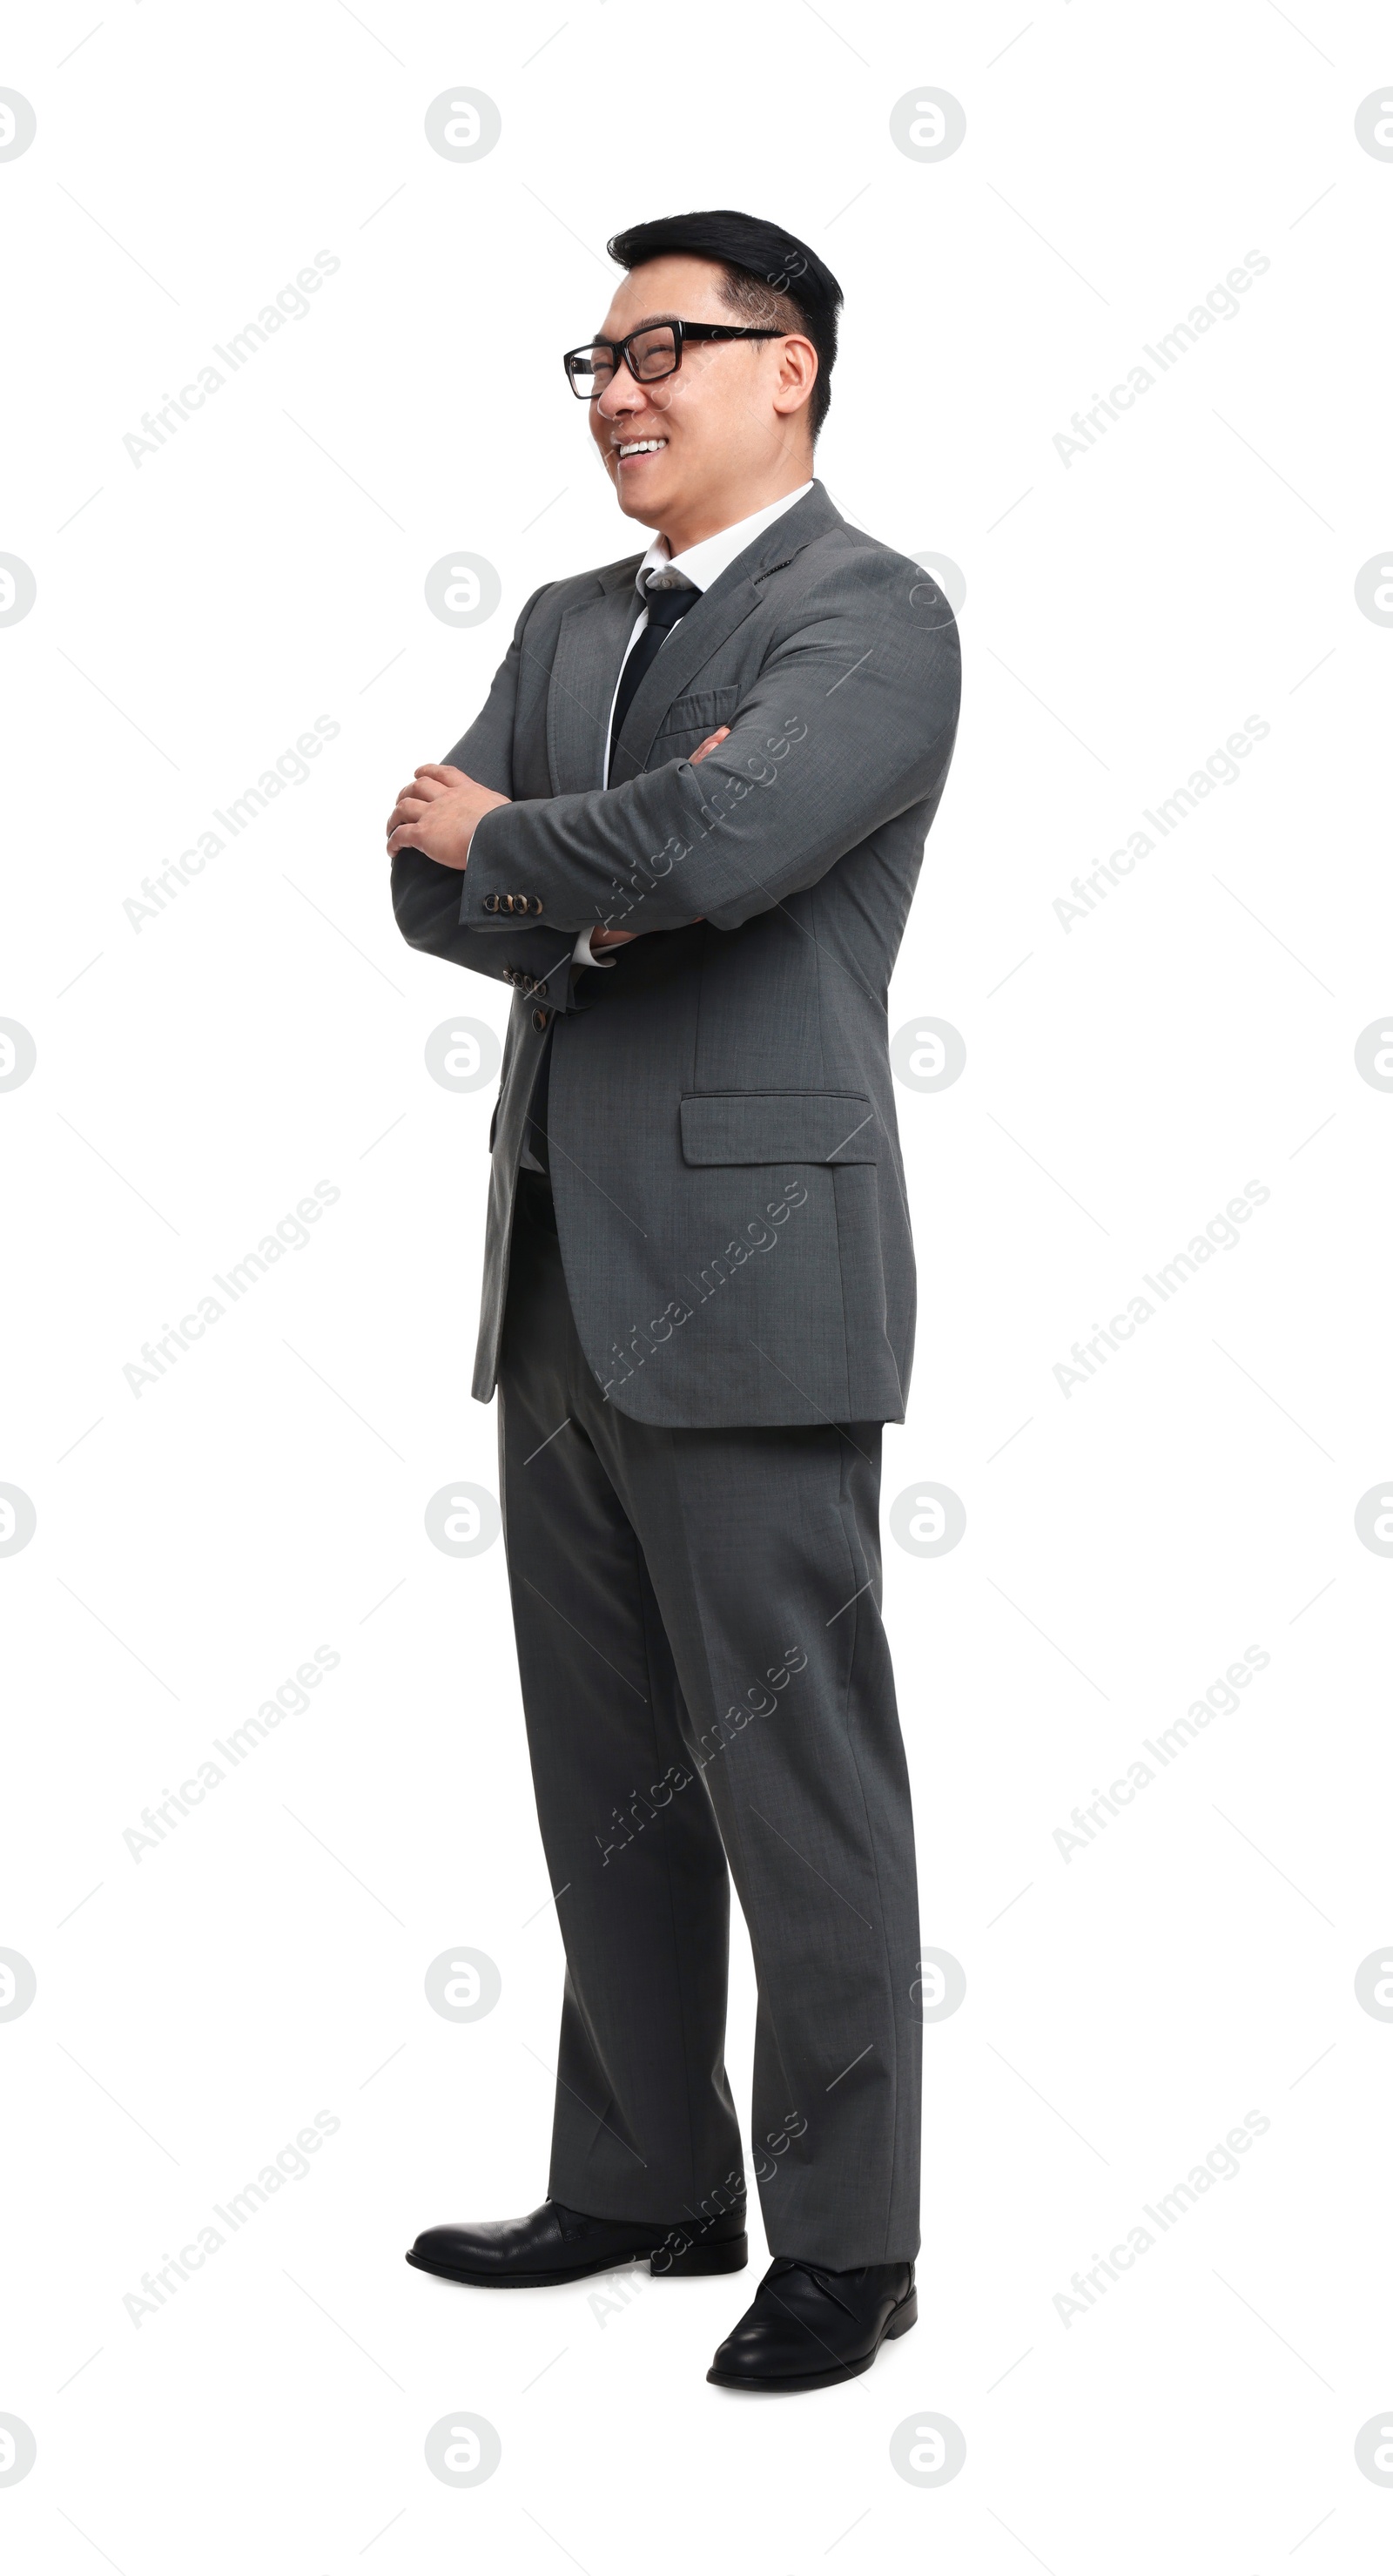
point(642, 446)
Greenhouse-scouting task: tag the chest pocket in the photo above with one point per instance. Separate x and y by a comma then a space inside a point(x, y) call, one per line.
point(689, 720)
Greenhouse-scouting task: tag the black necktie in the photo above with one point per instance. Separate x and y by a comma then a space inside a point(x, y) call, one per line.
point(664, 609)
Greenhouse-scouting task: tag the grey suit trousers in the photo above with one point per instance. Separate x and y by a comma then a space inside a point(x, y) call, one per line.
point(709, 1695)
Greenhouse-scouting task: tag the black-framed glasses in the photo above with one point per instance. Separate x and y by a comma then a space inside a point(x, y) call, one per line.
point(649, 354)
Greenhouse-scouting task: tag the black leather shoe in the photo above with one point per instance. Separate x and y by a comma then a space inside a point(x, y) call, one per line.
point(557, 2244)
point(810, 2327)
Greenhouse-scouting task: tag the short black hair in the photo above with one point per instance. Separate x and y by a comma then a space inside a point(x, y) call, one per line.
point(769, 276)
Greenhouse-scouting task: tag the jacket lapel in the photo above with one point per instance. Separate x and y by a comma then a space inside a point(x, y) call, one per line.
point(706, 627)
point(584, 670)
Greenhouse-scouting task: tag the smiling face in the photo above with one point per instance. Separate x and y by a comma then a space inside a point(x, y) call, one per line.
point(726, 434)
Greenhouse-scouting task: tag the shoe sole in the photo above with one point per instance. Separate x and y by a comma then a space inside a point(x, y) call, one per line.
point(698, 2263)
point(898, 2323)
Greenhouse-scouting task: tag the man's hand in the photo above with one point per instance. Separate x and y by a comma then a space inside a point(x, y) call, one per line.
point(616, 938)
point(438, 813)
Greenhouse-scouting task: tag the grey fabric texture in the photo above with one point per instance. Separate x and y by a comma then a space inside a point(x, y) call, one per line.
point(722, 1139)
point(706, 1678)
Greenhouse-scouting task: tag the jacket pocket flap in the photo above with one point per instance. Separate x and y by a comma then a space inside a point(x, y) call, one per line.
point(778, 1127)
point(700, 712)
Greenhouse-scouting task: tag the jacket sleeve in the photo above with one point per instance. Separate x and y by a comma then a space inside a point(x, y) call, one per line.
point(428, 900)
point(534, 959)
point(850, 721)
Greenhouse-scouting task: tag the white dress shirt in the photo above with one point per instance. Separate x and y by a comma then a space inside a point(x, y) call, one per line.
point(701, 565)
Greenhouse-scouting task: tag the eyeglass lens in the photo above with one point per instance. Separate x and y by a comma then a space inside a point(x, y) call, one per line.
point(652, 354)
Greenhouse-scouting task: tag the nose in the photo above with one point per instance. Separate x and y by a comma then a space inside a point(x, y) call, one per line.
point(621, 395)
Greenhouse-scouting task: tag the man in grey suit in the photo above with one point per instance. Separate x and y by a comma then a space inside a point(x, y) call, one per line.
point(686, 828)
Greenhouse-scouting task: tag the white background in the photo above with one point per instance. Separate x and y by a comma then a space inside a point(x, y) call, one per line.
point(196, 1076)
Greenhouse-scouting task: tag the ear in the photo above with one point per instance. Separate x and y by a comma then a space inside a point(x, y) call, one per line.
point(797, 373)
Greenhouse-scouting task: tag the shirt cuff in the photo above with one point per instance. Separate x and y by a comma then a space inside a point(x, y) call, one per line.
point(581, 953)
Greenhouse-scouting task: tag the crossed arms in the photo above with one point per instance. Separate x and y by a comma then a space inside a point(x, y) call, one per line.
point(849, 722)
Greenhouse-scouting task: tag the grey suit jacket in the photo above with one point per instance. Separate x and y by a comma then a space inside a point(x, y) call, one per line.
point(724, 1156)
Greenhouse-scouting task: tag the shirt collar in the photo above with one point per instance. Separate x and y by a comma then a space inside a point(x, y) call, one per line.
point(704, 564)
